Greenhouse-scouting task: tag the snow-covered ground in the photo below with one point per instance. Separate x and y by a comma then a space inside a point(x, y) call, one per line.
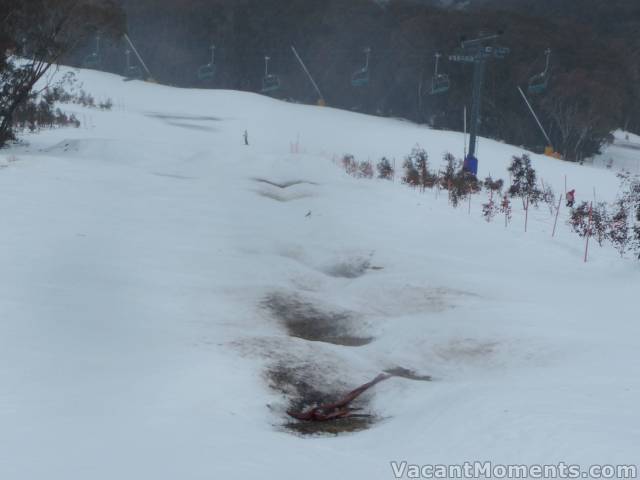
point(622, 155)
point(139, 254)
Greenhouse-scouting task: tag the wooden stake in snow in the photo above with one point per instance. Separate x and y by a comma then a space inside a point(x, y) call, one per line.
point(339, 409)
point(555, 222)
point(586, 248)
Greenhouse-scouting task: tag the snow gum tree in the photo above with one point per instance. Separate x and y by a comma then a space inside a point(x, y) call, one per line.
point(35, 35)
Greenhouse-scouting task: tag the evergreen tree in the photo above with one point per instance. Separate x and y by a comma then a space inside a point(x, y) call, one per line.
point(42, 31)
point(385, 170)
point(618, 228)
point(451, 166)
point(411, 173)
point(523, 179)
point(505, 209)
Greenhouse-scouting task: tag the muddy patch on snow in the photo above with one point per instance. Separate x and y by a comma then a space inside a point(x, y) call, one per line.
point(283, 185)
point(304, 319)
point(304, 387)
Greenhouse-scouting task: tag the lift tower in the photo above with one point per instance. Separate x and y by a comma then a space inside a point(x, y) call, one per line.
point(477, 51)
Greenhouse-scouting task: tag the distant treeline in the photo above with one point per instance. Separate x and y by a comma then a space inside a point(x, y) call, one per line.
point(595, 60)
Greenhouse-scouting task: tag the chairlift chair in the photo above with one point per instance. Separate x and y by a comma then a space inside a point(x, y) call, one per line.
point(360, 78)
point(208, 71)
point(539, 83)
point(132, 72)
point(440, 82)
point(93, 60)
point(270, 81)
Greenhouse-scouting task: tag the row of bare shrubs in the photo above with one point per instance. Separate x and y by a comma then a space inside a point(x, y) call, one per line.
point(37, 114)
point(40, 110)
point(618, 224)
point(60, 95)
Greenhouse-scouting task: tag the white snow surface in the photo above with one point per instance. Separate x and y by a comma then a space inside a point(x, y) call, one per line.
point(136, 252)
point(622, 155)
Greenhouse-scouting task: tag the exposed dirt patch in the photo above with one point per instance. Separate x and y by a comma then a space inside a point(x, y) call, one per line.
point(305, 320)
point(304, 388)
point(354, 423)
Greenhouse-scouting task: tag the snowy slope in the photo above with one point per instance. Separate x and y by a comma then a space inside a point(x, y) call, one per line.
point(138, 251)
point(622, 155)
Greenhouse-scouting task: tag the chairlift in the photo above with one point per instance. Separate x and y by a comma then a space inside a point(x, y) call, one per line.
point(93, 60)
point(132, 72)
point(360, 78)
point(539, 83)
point(440, 82)
point(208, 71)
point(270, 81)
